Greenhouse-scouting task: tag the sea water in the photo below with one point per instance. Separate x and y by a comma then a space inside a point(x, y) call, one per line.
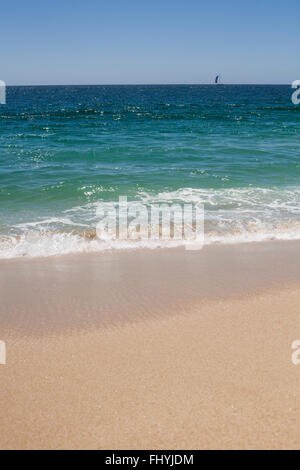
point(66, 151)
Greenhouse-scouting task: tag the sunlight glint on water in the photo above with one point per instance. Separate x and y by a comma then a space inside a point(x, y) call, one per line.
point(65, 151)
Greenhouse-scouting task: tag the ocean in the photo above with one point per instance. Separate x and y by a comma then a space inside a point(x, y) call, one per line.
point(66, 151)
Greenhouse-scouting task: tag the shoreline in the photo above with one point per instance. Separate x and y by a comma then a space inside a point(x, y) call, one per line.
point(141, 350)
point(99, 289)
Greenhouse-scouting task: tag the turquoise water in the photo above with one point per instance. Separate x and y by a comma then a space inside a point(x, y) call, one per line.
point(66, 151)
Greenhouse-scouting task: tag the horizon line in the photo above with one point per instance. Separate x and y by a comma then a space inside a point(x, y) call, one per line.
point(152, 84)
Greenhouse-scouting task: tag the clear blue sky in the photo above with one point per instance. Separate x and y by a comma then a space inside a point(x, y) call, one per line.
point(152, 41)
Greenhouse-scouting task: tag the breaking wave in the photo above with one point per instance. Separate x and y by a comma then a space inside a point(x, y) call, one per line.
point(236, 215)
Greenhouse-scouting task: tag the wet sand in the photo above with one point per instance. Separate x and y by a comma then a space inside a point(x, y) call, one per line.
point(152, 349)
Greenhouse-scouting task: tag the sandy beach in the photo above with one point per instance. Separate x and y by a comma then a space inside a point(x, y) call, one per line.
point(152, 349)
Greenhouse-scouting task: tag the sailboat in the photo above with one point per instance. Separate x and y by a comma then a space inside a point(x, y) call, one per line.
point(217, 79)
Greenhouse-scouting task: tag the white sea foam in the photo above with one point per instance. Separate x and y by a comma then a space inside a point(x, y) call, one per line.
point(236, 215)
point(44, 245)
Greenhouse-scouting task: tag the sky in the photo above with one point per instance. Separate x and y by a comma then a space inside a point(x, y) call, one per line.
point(152, 41)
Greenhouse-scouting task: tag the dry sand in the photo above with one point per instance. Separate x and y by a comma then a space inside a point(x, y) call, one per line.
point(205, 367)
